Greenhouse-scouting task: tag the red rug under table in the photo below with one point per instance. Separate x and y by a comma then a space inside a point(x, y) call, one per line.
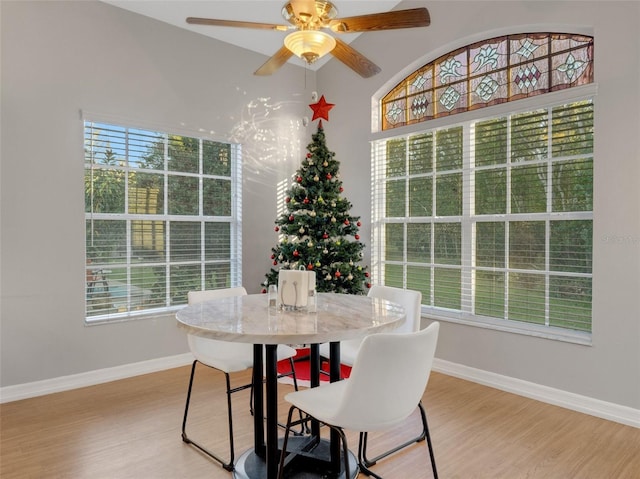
point(301, 364)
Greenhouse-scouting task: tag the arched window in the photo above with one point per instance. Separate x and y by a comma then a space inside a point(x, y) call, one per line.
point(490, 214)
point(486, 73)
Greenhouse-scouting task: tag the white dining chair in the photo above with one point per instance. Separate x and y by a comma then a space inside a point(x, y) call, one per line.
point(227, 357)
point(411, 300)
point(380, 393)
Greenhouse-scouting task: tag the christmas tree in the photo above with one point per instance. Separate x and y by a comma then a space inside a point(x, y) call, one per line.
point(317, 232)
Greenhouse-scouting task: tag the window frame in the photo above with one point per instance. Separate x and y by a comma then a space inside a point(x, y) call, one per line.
point(378, 206)
point(233, 219)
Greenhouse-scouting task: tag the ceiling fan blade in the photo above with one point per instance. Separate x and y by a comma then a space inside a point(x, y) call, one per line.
point(354, 59)
point(234, 23)
point(415, 17)
point(275, 62)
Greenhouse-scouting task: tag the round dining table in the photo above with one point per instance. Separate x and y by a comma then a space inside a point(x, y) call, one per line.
point(249, 319)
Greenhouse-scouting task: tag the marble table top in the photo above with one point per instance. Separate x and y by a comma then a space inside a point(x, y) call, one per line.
point(248, 319)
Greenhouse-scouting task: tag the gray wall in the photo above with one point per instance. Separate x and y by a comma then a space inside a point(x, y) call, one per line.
point(60, 57)
point(609, 369)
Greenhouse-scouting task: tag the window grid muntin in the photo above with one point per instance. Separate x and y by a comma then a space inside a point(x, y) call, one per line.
point(163, 217)
point(509, 218)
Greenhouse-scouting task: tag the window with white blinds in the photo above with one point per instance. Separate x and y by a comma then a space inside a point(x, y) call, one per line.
point(491, 219)
point(163, 217)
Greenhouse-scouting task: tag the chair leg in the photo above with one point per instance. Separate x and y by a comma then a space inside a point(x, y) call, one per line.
point(361, 462)
point(421, 437)
point(228, 465)
point(283, 453)
point(293, 374)
point(429, 443)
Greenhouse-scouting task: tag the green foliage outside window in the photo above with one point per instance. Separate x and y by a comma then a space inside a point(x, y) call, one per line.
point(519, 205)
point(158, 225)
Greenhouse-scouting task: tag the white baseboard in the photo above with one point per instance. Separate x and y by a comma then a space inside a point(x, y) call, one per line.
point(89, 378)
point(594, 407)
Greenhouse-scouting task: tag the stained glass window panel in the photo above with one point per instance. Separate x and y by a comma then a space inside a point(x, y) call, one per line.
point(530, 79)
point(420, 81)
point(525, 48)
point(487, 57)
point(451, 68)
point(421, 107)
point(485, 73)
point(489, 89)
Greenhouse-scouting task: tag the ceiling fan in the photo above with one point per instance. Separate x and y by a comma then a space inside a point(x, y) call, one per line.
point(309, 17)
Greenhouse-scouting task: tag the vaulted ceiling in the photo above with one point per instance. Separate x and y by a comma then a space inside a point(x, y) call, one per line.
point(267, 42)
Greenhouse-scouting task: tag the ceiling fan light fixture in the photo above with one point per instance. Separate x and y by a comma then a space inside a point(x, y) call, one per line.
point(310, 44)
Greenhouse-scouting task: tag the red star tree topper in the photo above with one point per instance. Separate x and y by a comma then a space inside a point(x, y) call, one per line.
point(321, 109)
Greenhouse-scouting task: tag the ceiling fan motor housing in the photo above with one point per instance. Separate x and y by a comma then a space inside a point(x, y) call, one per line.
point(309, 15)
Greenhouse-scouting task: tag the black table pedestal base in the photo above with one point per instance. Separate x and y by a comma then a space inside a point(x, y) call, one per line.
point(250, 466)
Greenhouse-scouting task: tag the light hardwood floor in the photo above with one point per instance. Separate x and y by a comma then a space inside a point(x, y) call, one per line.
point(131, 429)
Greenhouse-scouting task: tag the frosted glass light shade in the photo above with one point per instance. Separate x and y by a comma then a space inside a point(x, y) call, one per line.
point(310, 44)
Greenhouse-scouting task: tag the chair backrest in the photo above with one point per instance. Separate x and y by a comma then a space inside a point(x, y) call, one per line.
point(388, 379)
point(227, 356)
point(411, 301)
point(195, 297)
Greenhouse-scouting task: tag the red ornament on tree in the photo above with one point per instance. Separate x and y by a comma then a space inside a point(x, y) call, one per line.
point(308, 155)
point(357, 237)
point(296, 254)
point(309, 266)
point(325, 236)
point(275, 263)
point(368, 285)
point(287, 199)
point(338, 274)
point(291, 218)
point(328, 176)
point(346, 222)
point(341, 189)
point(359, 224)
point(273, 256)
point(299, 179)
point(306, 201)
point(366, 274)
point(277, 228)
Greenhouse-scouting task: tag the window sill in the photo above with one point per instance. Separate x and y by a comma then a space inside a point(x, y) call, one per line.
point(515, 327)
point(132, 316)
